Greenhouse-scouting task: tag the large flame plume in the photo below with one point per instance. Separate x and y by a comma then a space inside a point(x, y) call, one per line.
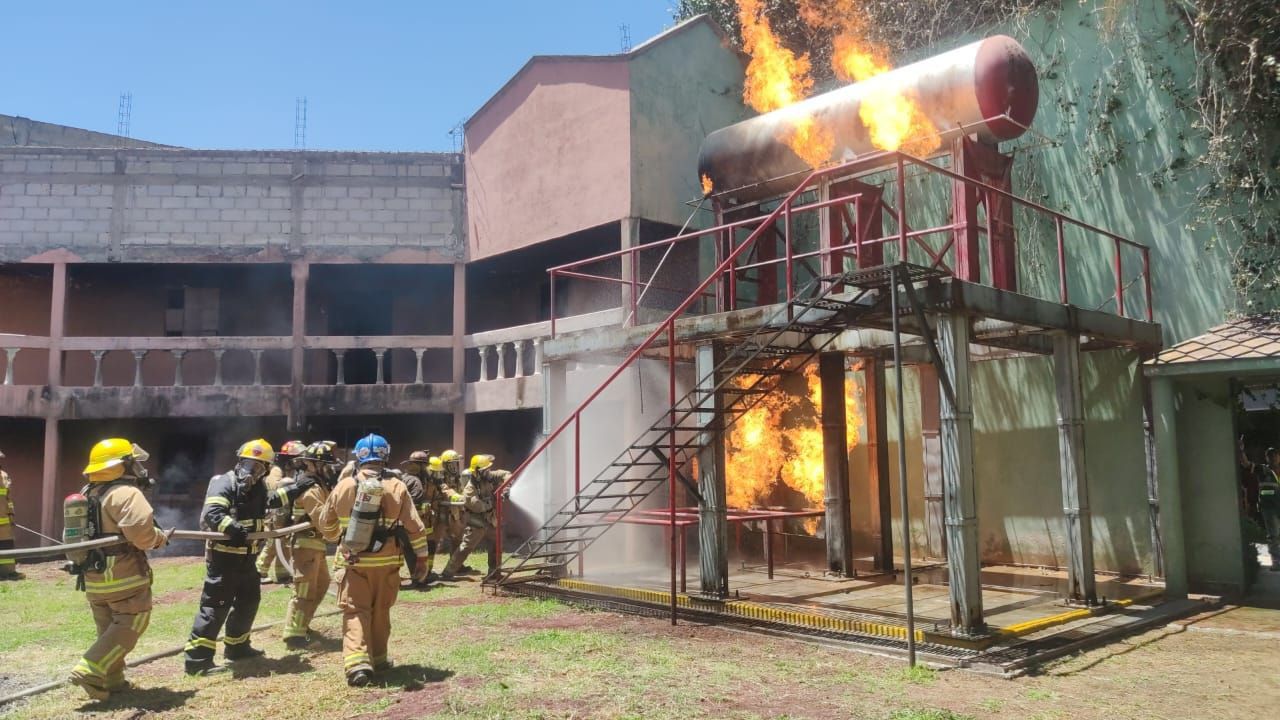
point(777, 445)
point(777, 77)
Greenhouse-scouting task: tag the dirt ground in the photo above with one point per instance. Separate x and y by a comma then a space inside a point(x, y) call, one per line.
point(464, 654)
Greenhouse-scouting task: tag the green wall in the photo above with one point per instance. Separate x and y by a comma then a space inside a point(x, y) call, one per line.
point(682, 87)
point(1016, 455)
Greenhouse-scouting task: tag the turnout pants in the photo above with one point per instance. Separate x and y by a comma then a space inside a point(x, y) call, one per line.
point(1271, 524)
point(231, 595)
point(8, 566)
point(310, 581)
point(366, 596)
point(269, 564)
point(121, 620)
point(471, 539)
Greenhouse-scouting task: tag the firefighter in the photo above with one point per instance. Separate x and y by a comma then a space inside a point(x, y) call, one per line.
point(270, 567)
point(371, 513)
point(478, 498)
point(116, 579)
point(234, 505)
point(8, 566)
point(316, 476)
point(454, 522)
point(425, 492)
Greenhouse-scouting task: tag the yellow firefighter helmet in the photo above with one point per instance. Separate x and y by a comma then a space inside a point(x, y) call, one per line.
point(435, 463)
point(257, 450)
point(480, 462)
point(107, 454)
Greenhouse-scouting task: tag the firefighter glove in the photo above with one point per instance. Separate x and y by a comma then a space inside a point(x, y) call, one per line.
point(237, 534)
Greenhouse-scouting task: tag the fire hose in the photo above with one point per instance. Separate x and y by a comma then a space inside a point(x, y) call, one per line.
point(110, 540)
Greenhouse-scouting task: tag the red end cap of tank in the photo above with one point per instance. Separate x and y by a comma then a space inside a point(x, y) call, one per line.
point(1006, 84)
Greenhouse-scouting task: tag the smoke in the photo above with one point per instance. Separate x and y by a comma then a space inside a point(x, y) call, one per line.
point(177, 498)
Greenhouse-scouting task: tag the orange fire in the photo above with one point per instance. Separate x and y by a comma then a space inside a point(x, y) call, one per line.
point(779, 442)
point(707, 185)
point(777, 77)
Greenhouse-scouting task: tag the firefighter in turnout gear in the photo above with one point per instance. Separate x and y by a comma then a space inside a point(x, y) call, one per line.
point(425, 492)
point(453, 517)
point(116, 579)
point(234, 505)
point(371, 513)
point(478, 498)
point(282, 474)
point(302, 500)
point(8, 566)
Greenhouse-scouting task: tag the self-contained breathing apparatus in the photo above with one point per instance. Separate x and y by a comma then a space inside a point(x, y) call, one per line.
point(366, 531)
point(82, 512)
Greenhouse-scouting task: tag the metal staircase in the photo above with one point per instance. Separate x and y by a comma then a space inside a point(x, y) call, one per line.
point(753, 367)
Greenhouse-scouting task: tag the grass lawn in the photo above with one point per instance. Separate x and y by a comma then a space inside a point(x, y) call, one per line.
point(461, 654)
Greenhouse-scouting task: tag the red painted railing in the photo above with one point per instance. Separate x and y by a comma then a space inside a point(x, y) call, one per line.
point(727, 269)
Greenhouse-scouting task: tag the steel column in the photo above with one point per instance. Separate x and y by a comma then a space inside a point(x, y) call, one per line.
point(713, 523)
point(908, 581)
point(1081, 585)
point(835, 465)
point(878, 459)
point(1164, 411)
point(931, 442)
point(629, 231)
point(959, 486)
point(1153, 475)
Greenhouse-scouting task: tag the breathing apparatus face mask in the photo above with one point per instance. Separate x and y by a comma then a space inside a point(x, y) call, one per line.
point(249, 471)
point(135, 468)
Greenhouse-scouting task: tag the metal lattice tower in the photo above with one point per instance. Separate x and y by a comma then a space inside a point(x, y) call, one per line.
point(457, 135)
point(300, 123)
point(124, 114)
point(624, 33)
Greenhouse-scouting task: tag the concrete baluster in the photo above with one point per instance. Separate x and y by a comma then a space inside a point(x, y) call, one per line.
point(342, 377)
point(377, 354)
point(502, 360)
point(177, 366)
point(484, 362)
point(10, 354)
point(138, 356)
point(97, 366)
point(217, 367)
point(417, 377)
point(519, 358)
point(537, 356)
point(257, 367)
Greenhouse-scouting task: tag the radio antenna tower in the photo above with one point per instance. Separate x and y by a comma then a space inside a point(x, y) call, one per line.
point(624, 32)
point(457, 135)
point(300, 123)
point(124, 114)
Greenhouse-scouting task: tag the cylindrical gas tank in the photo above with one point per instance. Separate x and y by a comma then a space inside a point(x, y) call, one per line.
point(76, 524)
point(366, 513)
point(967, 91)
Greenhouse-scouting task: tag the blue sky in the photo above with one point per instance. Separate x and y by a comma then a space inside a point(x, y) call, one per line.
point(392, 75)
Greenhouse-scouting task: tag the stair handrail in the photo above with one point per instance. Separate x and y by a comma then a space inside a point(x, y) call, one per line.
point(664, 327)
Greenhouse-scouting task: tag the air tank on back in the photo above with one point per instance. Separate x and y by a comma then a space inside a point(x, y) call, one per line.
point(987, 88)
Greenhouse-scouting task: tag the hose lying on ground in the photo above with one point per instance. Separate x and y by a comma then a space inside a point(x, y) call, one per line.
point(46, 687)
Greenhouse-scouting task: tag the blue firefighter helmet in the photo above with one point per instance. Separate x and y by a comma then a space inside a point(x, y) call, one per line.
point(372, 448)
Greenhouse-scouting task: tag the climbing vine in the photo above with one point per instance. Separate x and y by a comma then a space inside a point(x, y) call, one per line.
point(1224, 120)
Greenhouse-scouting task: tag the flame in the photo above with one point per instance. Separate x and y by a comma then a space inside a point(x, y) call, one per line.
point(776, 78)
point(707, 185)
point(779, 442)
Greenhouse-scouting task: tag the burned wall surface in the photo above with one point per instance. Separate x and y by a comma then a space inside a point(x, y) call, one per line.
point(158, 205)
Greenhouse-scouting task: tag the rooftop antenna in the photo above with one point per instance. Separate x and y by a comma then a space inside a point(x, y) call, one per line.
point(300, 123)
point(624, 32)
point(457, 135)
point(124, 113)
